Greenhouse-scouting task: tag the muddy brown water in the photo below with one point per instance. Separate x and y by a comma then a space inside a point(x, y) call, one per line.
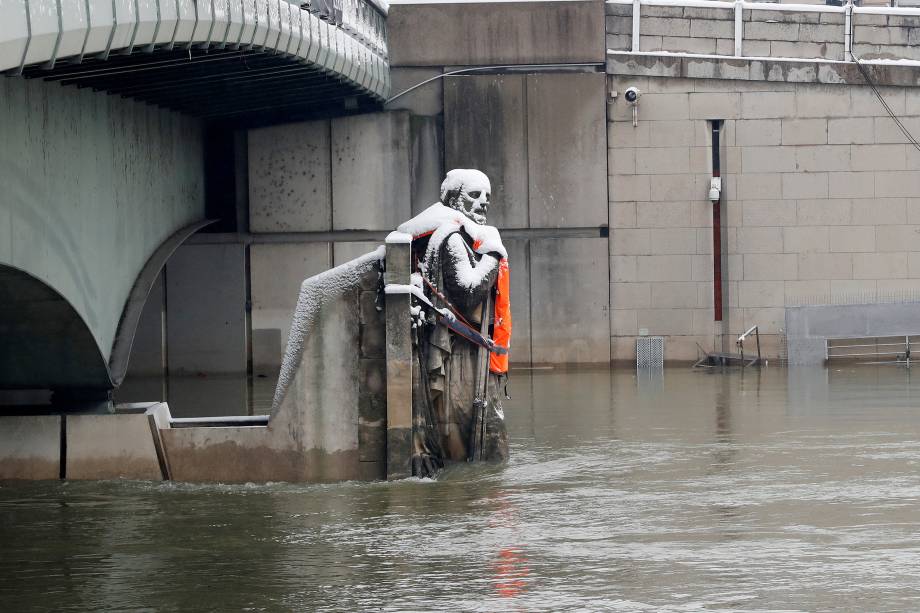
point(678, 491)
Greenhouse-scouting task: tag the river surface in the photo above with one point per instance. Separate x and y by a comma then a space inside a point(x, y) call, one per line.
point(676, 491)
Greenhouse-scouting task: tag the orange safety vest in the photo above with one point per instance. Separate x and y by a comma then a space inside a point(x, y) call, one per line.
point(501, 328)
point(501, 332)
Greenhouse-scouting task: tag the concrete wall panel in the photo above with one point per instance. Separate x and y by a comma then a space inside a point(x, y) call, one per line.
point(427, 100)
point(276, 272)
point(569, 300)
point(206, 309)
point(30, 447)
point(345, 252)
point(111, 447)
point(485, 127)
point(290, 178)
point(496, 33)
point(145, 380)
point(566, 141)
point(519, 263)
point(427, 157)
point(148, 352)
point(370, 171)
point(211, 395)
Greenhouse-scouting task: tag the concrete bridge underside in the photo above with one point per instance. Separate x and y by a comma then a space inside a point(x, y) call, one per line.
point(103, 44)
point(99, 189)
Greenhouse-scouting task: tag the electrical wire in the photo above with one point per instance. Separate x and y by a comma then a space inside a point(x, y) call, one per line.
point(878, 94)
point(520, 67)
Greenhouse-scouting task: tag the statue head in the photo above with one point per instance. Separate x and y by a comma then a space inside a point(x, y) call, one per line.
point(467, 191)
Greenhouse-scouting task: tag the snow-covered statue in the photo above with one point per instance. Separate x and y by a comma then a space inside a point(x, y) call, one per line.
point(462, 329)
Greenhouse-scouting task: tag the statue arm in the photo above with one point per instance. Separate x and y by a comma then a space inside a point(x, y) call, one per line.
point(467, 280)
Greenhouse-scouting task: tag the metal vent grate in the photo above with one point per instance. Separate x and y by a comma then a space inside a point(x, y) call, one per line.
point(650, 352)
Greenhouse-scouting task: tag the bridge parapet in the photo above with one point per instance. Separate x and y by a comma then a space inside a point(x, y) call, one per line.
point(345, 38)
point(809, 39)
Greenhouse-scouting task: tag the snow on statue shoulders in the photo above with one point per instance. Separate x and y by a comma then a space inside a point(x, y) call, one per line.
point(486, 239)
point(465, 198)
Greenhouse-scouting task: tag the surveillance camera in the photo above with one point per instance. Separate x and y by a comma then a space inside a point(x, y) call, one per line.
point(632, 95)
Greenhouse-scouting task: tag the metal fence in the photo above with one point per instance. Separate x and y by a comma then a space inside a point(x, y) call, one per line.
point(650, 352)
point(846, 18)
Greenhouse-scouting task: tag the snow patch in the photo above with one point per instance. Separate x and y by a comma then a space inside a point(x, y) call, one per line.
point(488, 240)
point(397, 288)
point(470, 178)
point(398, 238)
point(315, 292)
point(431, 219)
point(469, 276)
point(441, 220)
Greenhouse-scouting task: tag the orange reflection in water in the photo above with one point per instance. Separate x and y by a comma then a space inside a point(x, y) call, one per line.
point(510, 571)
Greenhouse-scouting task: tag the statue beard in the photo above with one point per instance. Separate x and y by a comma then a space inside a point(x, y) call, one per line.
point(475, 213)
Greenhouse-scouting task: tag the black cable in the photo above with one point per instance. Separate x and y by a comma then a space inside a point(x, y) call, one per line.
point(512, 67)
point(868, 79)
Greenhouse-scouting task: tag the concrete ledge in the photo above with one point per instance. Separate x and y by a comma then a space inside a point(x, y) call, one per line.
point(691, 66)
point(30, 447)
point(111, 447)
point(257, 454)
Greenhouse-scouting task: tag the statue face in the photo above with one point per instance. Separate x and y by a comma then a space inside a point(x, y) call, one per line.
point(473, 202)
point(467, 191)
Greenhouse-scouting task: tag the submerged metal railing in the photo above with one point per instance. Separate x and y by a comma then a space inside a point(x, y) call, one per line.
point(873, 350)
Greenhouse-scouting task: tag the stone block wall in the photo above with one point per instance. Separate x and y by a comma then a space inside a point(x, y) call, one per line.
point(766, 33)
point(673, 28)
point(793, 34)
point(819, 199)
point(886, 36)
